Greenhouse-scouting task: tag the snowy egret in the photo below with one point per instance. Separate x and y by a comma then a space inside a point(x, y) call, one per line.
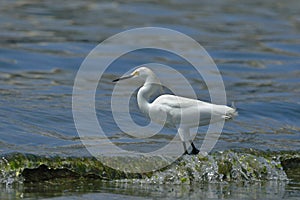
point(181, 112)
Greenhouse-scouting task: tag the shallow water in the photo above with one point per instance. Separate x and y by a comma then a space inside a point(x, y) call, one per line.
point(269, 190)
point(255, 46)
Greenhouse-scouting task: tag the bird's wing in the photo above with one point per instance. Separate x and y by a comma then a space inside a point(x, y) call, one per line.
point(194, 112)
point(173, 101)
point(180, 109)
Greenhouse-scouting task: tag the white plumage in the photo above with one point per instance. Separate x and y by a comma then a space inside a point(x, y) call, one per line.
point(180, 112)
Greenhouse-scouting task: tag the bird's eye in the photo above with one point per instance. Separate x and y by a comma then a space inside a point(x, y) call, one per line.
point(135, 73)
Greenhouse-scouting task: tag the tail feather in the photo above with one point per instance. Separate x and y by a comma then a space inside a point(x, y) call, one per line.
point(231, 113)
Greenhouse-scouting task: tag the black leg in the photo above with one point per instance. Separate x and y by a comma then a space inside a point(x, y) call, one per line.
point(194, 150)
point(184, 148)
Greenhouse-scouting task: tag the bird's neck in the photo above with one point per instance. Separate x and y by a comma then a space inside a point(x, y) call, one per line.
point(152, 86)
point(143, 98)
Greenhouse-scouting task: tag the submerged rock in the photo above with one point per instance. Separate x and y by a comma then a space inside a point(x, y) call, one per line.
point(216, 167)
point(19, 167)
point(44, 173)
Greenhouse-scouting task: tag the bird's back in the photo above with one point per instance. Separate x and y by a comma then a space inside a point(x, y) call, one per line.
point(189, 112)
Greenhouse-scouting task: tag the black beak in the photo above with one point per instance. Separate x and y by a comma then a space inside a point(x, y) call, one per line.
point(123, 78)
point(116, 80)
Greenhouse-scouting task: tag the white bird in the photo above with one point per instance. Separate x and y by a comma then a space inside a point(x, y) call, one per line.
point(181, 112)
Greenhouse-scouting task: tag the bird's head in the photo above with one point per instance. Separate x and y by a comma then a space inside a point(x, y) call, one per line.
point(141, 72)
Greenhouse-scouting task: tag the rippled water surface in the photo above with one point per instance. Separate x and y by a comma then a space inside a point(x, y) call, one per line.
point(255, 44)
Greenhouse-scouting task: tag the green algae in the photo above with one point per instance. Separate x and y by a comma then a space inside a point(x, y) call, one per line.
point(28, 168)
point(136, 164)
point(224, 167)
point(220, 167)
point(216, 167)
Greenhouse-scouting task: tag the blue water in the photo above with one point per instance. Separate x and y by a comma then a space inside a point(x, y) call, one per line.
point(256, 46)
point(42, 47)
